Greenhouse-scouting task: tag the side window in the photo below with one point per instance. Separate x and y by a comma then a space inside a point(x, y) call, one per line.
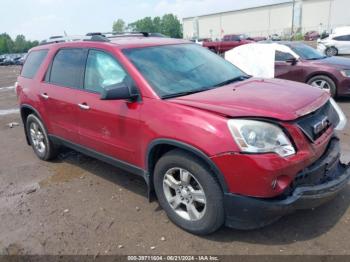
point(282, 56)
point(33, 62)
point(102, 70)
point(342, 38)
point(67, 67)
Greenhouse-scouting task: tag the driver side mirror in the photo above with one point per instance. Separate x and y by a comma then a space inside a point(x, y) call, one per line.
point(118, 92)
point(293, 61)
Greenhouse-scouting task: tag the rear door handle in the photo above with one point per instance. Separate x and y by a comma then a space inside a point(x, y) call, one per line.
point(84, 106)
point(44, 95)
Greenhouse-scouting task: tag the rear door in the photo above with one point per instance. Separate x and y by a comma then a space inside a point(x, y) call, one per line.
point(343, 44)
point(59, 92)
point(110, 127)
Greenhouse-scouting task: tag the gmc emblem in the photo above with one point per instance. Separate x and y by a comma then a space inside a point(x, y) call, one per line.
point(320, 126)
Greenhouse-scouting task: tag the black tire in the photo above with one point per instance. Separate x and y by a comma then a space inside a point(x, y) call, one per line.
point(331, 51)
point(328, 80)
point(213, 216)
point(50, 151)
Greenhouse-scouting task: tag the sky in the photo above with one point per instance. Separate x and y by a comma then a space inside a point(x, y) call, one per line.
point(39, 19)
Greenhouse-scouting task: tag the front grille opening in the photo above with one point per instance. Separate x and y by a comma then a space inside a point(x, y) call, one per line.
point(315, 124)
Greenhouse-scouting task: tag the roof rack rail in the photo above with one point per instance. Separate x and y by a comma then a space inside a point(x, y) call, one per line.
point(61, 39)
point(124, 34)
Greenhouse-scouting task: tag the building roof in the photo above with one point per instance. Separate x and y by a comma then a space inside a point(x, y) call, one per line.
point(242, 9)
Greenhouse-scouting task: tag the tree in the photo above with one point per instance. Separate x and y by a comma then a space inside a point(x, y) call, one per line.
point(118, 26)
point(171, 26)
point(168, 25)
point(143, 25)
point(20, 45)
point(6, 44)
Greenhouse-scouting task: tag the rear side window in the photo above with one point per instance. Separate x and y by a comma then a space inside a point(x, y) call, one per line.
point(33, 62)
point(282, 56)
point(342, 38)
point(67, 67)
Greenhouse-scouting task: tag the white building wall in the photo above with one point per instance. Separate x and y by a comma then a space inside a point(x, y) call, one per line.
point(340, 15)
point(316, 15)
point(258, 21)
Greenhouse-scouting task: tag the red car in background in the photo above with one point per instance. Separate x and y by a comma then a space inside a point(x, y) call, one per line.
point(329, 73)
point(227, 43)
point(311, 36)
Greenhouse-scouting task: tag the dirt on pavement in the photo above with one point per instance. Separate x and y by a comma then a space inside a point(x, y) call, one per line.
point(79, 205)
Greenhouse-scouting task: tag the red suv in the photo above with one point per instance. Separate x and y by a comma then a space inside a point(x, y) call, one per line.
point(215, 145)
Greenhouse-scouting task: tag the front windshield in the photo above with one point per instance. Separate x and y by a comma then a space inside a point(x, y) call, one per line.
point(182, 68)
point(307, 52)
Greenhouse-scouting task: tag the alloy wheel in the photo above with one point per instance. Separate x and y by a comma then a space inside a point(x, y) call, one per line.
point(323, 84)
point(37, 137)
point(184, 194)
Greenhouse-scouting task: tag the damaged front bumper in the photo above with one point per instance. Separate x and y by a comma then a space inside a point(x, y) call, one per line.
point(331, 177)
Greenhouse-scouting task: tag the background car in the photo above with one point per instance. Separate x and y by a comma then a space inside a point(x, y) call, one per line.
point(337, 43)
point(311, 36)
point(227, 43)
point(275, 37)
point(294, 61)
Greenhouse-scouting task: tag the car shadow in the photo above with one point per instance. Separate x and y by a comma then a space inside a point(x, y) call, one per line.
point(129, 181)
point(300, 226)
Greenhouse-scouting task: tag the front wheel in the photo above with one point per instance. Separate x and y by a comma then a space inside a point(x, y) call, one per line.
point(331, 51)
point(188, 192)
point(325, 83)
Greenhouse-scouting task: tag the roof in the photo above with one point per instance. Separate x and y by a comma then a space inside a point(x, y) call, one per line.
point(242, 9)
point(120, 42)
point(135, 42)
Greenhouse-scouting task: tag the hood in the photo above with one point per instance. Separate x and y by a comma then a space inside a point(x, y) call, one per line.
point(339, 62)
point(278, 99)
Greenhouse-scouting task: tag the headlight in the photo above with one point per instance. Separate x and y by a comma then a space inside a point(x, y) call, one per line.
point(342, 117)
point(260, 137)
point(345, 73)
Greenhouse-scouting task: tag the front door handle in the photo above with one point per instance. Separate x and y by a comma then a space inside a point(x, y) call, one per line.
point(44, 95)
point(84, 106)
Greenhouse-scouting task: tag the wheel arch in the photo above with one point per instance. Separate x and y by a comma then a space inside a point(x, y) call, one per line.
point(25, 111)
point(157, 148)
point(322, 73)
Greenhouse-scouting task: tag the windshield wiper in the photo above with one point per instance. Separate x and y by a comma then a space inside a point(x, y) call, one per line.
point(232, 80)
point(184, 93)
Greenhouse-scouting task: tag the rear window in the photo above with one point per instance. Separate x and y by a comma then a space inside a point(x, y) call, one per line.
point(67, 68)
point(33, 62)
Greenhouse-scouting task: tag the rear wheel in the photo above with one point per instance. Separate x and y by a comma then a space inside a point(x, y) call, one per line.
point(39, 140)
point(325, 83)
point(190, 195)
point(331, 51)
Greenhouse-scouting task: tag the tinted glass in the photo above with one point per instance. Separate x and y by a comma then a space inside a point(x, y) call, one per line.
point(282, 56)
point(342, 38)
point(102, 70)
point(33, 62)
point(67, 68)
point(307, 52)
point(173, 69)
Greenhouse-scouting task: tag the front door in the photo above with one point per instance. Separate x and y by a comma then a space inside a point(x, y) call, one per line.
point(110, 127)
point(285, 68)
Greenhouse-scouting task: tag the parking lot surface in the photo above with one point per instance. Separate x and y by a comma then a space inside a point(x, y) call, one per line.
point(78, 205)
